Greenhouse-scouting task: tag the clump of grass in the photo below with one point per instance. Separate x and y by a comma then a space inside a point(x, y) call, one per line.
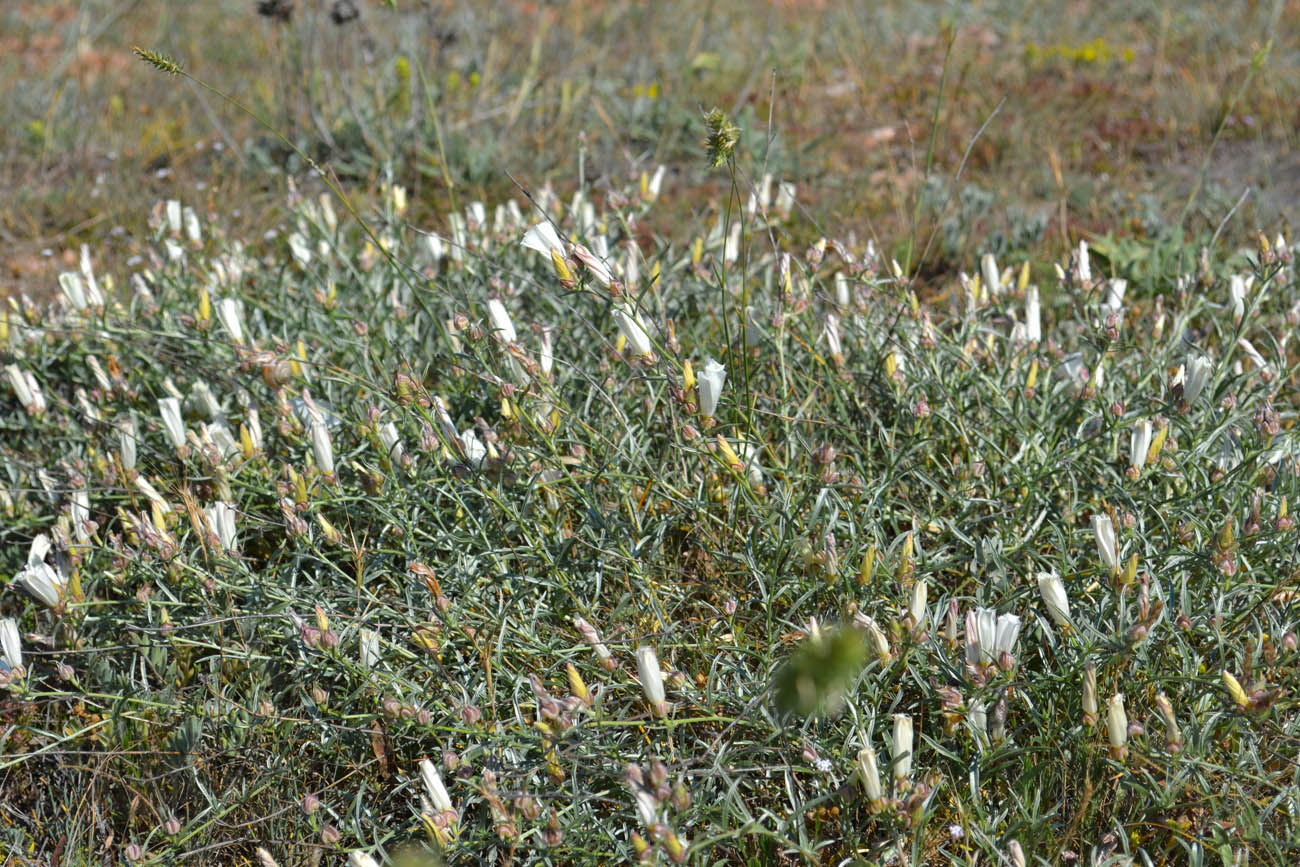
point(594, 548)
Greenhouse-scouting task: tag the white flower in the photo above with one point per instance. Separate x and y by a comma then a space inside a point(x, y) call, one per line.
point(1052, 589)
point(191, 219)
point(1199, 369)
point(753, 328)
point(321, 447)
point(11, 646)
point(433, 785)
point(544, 239)
point(73, 290)
point(501, 324)
point(917, 610)
point(1103, 530)
point(546, 355)
point(26, 389)
point(392, 440)
point(368, 648)
point(170, 409)
point(79, 510)
point(38, 578)
point(1008, 632)
point(647, 808)
point(785, 195)
point(977, 715)
point(1117, 725)
point(206, 400)
point(1256, 358)
point(634, 331)
point(174, 216)
point(869, 775)
point(981, 634)
point(1033, 316)
point(298, 247)
point(1139, 445)
point(142, 485)
point(731, 247)
point(477, 214)
point(220, 517)
point(877, 635)
point(1090, 693)
point(1085, 269)
point(652, 680)
point(475, 451)
point(989, 272)
point(228, 314)
point(436, 246)
point(902, 746)
point(709, 386)
point(1237, 296)
point(93, 296)
point(656, 183)
point(832, 332)
point(360, 859)
point(126, 437)
point(843, 294)
point(1114, 302)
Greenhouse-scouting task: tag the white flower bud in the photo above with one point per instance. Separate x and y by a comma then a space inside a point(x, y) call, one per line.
point(902, 746)
point(652, 681)
point(1117, 726)
point(1052, 589)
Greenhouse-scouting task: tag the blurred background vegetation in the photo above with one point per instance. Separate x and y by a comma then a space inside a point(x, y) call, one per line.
point(1100, 118)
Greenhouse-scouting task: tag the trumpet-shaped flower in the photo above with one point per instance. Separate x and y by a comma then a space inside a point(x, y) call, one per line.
point(869, 775)
point(357, 858)
point(392, 440)
point(321, 447)
point(475, 451)
point(170, 410)
point(1090, 710)
point(501, 324)
point(1198, 373)
point(126, 441)
point(11, 645)
point(38, 578)
point(26, 389)
point(1033, 316)
point(916, 609)
point(368, 648)
point(220, 517)
point(634, 331)
point(710, 381)
point(1117, 726)
point(1082, 264)
point(1114, 303)
point(437, 792)
point(228, 315)
point(1139, 446)
point(990, 274)
point(902, 746)
point(1052, 589)
point(1103, 530)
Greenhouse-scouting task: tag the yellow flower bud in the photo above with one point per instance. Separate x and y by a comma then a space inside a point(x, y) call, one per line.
point(1239, 697)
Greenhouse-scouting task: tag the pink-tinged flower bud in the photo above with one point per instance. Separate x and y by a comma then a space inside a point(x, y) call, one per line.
point(330, 835)
point(310, 804)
